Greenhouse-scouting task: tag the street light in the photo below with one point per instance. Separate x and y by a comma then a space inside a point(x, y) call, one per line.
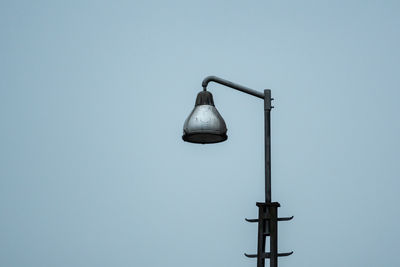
point(206, 126)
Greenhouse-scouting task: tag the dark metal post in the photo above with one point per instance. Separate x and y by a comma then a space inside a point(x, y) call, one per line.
point(261, 235)
point(267, 134)
point(273, 238)
point(267, 142)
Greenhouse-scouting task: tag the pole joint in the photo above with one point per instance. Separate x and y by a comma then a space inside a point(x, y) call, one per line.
point(267, 99)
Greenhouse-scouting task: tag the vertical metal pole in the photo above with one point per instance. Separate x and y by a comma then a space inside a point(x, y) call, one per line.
point(267, 125)
point(270, 211)
point(261, 235)
point(273, 239)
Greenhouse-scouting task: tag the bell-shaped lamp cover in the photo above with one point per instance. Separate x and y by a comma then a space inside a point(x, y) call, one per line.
point(204, 125)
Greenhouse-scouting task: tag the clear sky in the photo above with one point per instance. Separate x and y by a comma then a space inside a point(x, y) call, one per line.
point(93, 96)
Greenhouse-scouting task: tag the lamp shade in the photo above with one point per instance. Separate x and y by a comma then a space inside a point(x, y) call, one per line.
point(204, 125)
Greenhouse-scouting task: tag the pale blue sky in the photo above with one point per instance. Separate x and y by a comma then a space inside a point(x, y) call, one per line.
point(93, 96)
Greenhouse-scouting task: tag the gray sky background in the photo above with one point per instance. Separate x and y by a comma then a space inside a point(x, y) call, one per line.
point(93, 96)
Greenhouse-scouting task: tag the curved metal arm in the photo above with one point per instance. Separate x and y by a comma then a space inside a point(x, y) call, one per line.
point(231, 85)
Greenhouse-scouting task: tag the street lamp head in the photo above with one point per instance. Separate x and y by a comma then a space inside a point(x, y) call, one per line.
point(204, 125)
